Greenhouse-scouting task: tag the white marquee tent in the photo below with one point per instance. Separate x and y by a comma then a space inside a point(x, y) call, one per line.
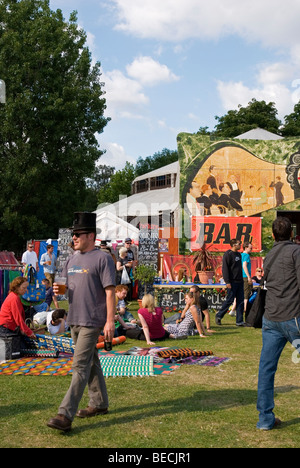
point(110, 227)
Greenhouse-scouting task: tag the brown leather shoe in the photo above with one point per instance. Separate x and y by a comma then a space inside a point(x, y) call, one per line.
point(89, 412)
point(60, 422)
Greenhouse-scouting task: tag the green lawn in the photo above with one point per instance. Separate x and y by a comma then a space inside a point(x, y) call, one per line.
point(193, 407)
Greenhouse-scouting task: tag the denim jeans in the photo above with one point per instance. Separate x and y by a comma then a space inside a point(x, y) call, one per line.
point(236, 291)
point(275, 336)
point(86, 371)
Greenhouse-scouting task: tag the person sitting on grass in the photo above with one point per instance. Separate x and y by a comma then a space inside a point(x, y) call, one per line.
point(192, 318)
point(50, 296)
point(121, 293)
point(151, 318)
point(56, 322)
point(12, 315)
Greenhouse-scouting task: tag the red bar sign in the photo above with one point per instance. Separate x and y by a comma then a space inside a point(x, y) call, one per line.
point(218, 231)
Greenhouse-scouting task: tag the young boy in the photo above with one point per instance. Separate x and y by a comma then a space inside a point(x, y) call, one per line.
point(56, 322)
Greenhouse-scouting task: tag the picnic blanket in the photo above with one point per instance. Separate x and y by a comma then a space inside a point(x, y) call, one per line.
point(112, 366)
point(177, 355)
point(52, 343)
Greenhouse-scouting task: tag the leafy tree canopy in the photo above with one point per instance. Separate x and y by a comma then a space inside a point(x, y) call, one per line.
point(291, 125)
point(159, 159)
point(54, 106)
point(120, 184)
point(256, 114)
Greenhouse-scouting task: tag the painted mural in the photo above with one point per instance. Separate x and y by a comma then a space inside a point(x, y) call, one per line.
point(229, 178)
point(234, 181)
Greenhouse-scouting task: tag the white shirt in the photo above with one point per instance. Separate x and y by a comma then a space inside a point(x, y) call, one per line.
point(30, 258)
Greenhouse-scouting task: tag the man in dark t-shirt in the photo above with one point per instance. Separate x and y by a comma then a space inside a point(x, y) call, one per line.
point(90, 277)
point(233, 277)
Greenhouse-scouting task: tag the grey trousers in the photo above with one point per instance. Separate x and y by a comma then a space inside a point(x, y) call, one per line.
point(86, 371)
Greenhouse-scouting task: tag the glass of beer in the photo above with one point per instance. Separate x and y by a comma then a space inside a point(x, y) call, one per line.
point(61, 285)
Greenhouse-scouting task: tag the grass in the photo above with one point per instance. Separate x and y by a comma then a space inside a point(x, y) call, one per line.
point(195, 407)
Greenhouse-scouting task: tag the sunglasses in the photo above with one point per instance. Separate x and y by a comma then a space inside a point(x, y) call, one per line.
point(78, 234)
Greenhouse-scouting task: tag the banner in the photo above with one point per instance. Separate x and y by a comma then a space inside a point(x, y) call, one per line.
point(218, 231)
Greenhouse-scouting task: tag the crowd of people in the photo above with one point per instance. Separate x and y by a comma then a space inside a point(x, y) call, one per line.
point(98, 301)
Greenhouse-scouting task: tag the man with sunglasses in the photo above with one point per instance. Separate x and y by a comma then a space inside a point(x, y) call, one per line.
point(29, 257)
point(90, 275)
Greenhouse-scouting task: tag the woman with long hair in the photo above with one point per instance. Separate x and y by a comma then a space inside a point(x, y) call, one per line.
point(192, 318)
point(151, 318)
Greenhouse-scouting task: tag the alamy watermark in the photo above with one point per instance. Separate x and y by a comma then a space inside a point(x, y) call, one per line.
point(296, 353)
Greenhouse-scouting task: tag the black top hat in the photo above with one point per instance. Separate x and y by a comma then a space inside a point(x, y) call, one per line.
point(84, 221)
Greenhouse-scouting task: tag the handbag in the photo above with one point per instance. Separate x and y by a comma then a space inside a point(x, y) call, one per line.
point(125, 277)
point(255, 316)
point(36, 292)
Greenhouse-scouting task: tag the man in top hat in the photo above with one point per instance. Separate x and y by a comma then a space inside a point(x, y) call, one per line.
point(90, 277)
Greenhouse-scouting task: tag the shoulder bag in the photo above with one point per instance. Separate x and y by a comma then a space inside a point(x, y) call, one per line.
point(36, 292)
point(255, 316)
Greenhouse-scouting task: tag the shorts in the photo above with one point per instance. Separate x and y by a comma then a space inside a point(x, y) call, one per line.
point(247, 288)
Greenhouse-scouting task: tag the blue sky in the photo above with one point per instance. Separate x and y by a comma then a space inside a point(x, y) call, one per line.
point(171, 66)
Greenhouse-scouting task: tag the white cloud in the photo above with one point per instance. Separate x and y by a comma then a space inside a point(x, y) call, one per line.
point(149, 72)
point(115, 156)
point(124, 96)
point(271, 22)
point(233, 94)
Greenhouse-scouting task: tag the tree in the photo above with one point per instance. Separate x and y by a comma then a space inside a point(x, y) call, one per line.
point(291, 125)
point(159, 159)
point(54, 106)
point(120, 184)
point(256, 114)
point(99, 179)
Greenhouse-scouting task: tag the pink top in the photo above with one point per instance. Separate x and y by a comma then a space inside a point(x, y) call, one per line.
point(154, 322)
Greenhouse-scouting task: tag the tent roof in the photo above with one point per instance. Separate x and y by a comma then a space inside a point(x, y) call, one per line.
point(114, 228)
point(8, 259)
point(148, 203)
point(169, 169)
point(258, 134)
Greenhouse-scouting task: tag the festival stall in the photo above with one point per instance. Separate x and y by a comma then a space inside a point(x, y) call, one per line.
point(9, 269)
point(232, 188)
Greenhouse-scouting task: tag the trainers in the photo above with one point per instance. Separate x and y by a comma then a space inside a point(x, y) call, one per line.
point(60, 422)
point(89, 412)
point(218, 321)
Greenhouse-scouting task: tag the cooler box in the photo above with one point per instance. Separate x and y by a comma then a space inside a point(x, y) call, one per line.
point(10, 348)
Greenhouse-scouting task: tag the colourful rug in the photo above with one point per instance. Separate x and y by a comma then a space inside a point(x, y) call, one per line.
point(112, 366)
point(210, 361)
point(51, 343)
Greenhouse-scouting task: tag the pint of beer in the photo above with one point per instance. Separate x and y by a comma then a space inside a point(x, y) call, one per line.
point(61, 286)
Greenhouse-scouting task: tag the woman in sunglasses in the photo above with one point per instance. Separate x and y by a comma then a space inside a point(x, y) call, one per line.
point(258, 275)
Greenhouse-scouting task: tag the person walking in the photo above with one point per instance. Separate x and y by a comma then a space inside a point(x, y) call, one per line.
point(90, 277)
point(246, 264)
point(281, 321)
point(233, 277)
